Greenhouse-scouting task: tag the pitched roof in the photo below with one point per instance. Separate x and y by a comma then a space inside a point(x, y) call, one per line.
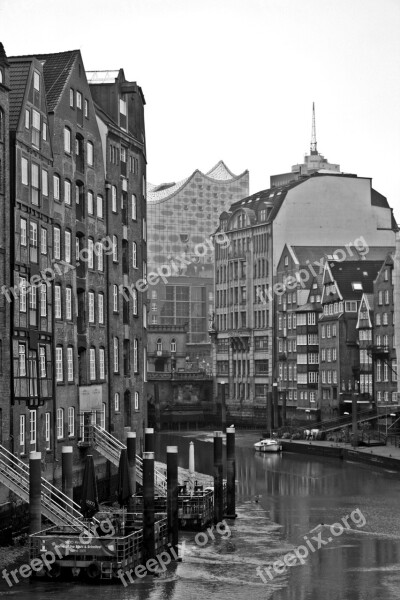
point(316, 253)
point(347, 273)
point(220, 171)
point(19, 71)
point(271, 196)
point(57, 68)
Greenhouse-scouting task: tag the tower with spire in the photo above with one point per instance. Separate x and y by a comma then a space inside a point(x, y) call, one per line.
point(313, 162)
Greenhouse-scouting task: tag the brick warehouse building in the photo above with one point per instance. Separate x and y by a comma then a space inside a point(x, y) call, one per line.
point(5, 362)
point(71, 350)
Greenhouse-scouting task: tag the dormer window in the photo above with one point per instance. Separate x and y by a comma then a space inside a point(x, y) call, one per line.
point(357, 286)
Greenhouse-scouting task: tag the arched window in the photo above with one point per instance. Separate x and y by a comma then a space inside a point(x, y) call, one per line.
point(173, 345)
point(116, 402)
point(159, 345)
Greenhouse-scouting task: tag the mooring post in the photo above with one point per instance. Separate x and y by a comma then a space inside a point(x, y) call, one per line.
point(230, 474)
point(218, 478)
point(172, 497)
point(35, 492)
point(149, 440)
point(148, 505)
point(131, 452)
point(354, 419)
point(66, 474)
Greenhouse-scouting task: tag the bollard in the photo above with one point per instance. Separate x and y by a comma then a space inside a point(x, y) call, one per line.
point(172, 497)
point(149, 440)
point(354, 419)
point(35, 492)
point(191, 458)
point(230, 474)
point(218, 478)
point(131, 452)
point(66, 474)
point(148, 505)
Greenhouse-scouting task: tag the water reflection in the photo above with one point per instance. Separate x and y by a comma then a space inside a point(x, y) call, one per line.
point(280, 499)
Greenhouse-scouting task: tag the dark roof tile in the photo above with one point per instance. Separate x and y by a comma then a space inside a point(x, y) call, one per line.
point(19, 71)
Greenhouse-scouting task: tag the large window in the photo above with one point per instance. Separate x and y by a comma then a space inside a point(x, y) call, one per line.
point(90, 154)
point(47, 430)
point(91, 307)
point(134, 255)
point(71, 421)
point(57, 243)
point(59, 364)
point(67, 140)
point(22, 360)
point(68, 303)
point(92, 364)
point(35, 128)
point(67, 246)
point(57, 301)
point(100, 306)
point(35, 184)
point(102, 370)
point(115, 248)
point(70, 363)
point(22, 422)
point(60, 423)
point(116, 355)
point(134, 207)
point(113, 198)
point(32, 427)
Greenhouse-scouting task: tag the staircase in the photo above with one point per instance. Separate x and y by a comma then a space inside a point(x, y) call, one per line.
point(56, 506)
point(110, 447)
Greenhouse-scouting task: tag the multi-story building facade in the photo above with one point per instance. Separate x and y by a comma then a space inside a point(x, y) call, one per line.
point(73, 308)
point(365, 324)
point(31, 238)
point(383, 351)
point(344, 285)
point(329, 208)
point(5, 250)
point(119, 106)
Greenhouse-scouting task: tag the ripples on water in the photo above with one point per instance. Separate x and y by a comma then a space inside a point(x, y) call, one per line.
point(280, 500)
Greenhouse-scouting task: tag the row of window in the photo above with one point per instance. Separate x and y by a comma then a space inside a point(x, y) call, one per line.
point(75, 101)
point(172, 345)
point(38, 126)
point(385, 396)
point(382, 318)
point(383, 297)
point(382, 371)
point(81, 253)
point(329, 376)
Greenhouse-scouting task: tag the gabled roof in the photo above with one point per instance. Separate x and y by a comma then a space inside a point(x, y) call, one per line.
point(57, 68)
point(19, 72)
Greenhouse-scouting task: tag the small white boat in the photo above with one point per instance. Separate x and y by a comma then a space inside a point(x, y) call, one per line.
point(268, 445)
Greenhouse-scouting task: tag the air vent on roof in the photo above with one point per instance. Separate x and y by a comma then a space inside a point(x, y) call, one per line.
point(357, 286)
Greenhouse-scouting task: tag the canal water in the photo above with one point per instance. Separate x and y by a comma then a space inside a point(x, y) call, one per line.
point(284, 502)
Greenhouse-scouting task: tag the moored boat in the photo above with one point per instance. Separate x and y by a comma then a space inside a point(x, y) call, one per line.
point(268, 445)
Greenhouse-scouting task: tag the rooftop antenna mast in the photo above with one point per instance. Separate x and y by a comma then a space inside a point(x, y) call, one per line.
point(313, 146)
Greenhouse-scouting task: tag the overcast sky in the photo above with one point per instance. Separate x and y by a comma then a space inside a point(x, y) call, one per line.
point(235, 80)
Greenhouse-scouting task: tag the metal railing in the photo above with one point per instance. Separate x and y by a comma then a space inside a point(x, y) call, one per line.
point(57, 507)
point(110, 447)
